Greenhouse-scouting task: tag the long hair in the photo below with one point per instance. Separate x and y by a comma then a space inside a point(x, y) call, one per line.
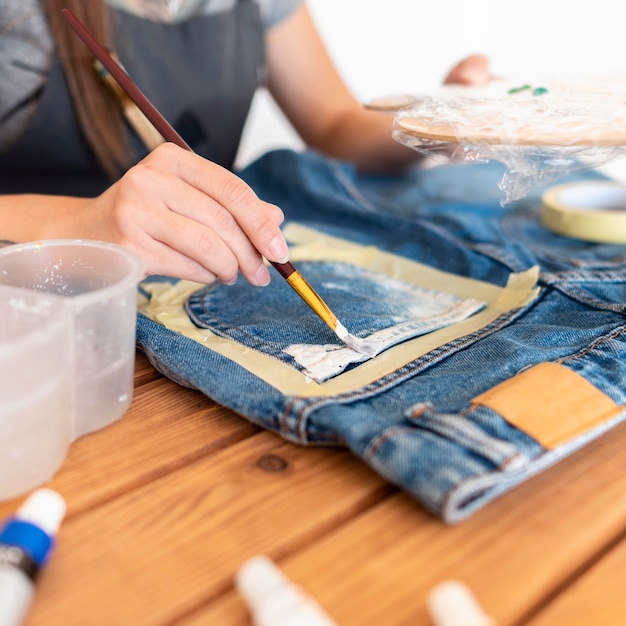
point(99, 114)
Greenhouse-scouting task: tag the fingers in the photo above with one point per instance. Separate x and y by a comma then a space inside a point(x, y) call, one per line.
point(471, 71)
point(257, 219)
point(197, 218)
point(219, 246)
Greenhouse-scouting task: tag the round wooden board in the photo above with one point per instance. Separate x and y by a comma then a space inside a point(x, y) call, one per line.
point(481, 132)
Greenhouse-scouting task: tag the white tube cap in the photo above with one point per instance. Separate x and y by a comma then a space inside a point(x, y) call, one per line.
point(258, 577)
point(45, 509)
point(274, 600)
point(451, 603)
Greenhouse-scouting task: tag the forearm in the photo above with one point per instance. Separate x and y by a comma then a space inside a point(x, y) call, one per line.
point(305, 84)
point(307, 87)
point(364, 138)
point(31, 217)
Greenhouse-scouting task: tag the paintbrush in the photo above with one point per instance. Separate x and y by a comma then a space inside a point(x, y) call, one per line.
point(286, 270)
point(148, 134)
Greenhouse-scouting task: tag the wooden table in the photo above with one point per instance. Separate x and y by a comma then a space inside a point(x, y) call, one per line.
point(167, 503)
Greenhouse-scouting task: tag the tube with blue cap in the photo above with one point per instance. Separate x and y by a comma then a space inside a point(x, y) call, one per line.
point(26, 541)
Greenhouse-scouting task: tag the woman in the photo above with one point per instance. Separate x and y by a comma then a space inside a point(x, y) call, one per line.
point(64, 146)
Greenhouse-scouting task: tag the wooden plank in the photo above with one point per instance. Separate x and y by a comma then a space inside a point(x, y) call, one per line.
point(166, 504)
point(144, 370)
point(515, 554)
point(166, 427)
point(598, 597)
point(161, 551)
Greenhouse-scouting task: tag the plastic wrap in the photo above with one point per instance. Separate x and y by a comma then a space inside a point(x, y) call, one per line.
point(537, 132)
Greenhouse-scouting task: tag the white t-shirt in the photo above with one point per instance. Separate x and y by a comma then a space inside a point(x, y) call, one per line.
point(272, 11)
point(26, 46)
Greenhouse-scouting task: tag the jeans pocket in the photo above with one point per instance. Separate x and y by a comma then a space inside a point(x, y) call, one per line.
point(274, 320)
point(424, 313)
point(502, 453)
point(603, 290)
point(518, 239)
point(452, 463)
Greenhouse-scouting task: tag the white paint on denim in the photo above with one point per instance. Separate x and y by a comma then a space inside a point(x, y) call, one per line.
point(321, 362)
point(395, 290)
point(401, 293)
point(411, 301)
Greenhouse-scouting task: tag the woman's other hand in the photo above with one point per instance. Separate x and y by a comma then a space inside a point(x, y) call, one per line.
point(473, 71)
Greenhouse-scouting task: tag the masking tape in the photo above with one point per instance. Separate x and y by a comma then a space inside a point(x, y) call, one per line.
point(592, 211)
point(166, 306)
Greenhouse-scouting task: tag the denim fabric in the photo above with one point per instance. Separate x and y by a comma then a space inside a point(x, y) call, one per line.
point(372, 304)
point(416, 425)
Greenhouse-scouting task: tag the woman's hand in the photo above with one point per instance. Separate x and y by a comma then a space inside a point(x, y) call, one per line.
point(472, 71)
point(188, 218)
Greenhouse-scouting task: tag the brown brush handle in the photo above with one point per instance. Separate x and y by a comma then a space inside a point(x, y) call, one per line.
point(143, 104)
point(284, 269)
point(134, 93)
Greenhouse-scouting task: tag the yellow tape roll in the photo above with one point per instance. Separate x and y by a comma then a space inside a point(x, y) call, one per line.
point(592, 211)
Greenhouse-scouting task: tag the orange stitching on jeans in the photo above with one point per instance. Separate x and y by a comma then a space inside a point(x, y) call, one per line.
point(593, 346)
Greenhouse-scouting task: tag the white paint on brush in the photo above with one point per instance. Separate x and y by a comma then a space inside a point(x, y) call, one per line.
point(369, 348)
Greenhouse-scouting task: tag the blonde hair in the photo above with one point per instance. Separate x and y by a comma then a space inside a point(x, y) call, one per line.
point(99, 114)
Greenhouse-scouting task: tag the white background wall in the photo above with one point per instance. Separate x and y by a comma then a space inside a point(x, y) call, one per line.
point(383, 47)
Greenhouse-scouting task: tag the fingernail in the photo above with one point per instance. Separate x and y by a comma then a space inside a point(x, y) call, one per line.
point(279, 250)
point(230, 281)
point(262, 276)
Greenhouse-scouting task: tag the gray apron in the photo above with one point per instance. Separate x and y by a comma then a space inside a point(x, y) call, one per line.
point(201, 74)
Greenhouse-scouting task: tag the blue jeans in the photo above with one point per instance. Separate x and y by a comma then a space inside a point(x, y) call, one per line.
point(418, 424)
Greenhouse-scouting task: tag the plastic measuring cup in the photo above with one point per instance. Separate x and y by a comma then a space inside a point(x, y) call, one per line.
point(97, 282)
point(36, 378)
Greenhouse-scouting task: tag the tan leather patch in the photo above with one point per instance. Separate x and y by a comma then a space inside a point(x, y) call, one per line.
point(550, 403)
